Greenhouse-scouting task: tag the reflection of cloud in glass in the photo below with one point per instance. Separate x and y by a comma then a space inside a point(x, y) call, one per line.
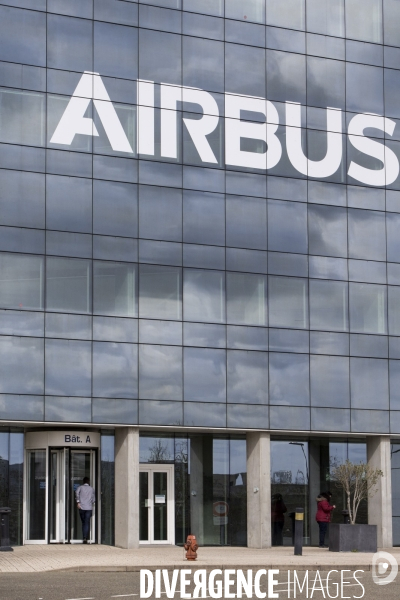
point(286, 457)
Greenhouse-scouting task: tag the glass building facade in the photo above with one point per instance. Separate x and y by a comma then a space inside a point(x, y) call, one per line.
point(199, 203)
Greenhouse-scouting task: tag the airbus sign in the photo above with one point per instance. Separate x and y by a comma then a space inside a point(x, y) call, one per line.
point(92, 89)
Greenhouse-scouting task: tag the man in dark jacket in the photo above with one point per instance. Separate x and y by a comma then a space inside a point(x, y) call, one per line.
point(323, 516)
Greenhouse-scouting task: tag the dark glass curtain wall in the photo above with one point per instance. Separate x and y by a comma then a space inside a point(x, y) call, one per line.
point(300, 470)
point(209, 470)
point(11, 479)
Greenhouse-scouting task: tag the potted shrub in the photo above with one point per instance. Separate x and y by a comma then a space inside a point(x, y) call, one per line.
point(359, 482)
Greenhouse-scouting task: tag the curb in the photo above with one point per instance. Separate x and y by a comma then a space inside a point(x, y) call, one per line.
point(137, 569)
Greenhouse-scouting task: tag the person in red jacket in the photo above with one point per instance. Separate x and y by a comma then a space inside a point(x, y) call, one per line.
point(323, 516)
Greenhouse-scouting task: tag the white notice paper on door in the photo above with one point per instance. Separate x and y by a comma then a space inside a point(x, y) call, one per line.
point(159, 499)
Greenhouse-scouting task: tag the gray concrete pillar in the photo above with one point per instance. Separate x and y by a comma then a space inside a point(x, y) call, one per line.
point(258, 490)
point(380, 505)
point(196, 488)
point(127, 487)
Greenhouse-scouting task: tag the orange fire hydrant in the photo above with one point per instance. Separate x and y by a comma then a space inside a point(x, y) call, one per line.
point(191, 547)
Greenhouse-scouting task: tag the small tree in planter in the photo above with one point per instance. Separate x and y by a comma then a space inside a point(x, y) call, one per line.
point(359, 482)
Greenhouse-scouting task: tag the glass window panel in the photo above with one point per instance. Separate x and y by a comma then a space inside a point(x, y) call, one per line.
point(21, 365)
point(196, 414)
point(247, 381)
point(246, 416)
point(289, 340)
point(393, 238)
point(78, 8)
point(203, 257)
point(160, 57)
point(326, 83)
point(115, 330)
point(246, 222)
point(68, 368)
point(76, 327)
point(69, 43)
point(22, 281)
point(288, 302)
point(330, 381)
point(27, 25)
point(160, 292)
point(22, 408)
point(394, 310)
point(105, 410)
point(246, 10)
point(204, 296)
point(329, 343)
point(167, 205)
point(70, 410)
point(286, 13)
point(114, 289)
point(329, 305)
point(364, 20)
point(204, 375)
point(204, 334)
point(69, 203)
point(246, 299)
point(207, 7)
point(369, 381)
point(22, 199)
point(238, 77)
point(289, 379)
point(327, 230)
point(15, 322)
point(160, 253)
point(207, 73)
point(247, 338)
point(367, 234)
point(290, 418)
point(203, 218)
point(368, 308)
point(287, 226)
point(330, 419)
point(115, 50)
point(391, 16)
point(22, 117)
point(160, 332)
point(394, 382)
point(68, 283)
point(374, 421)
point(325, 16)
point(115, 208)
point(364, 88)
point(115, 370)
point(160, 372)
point(160, 413)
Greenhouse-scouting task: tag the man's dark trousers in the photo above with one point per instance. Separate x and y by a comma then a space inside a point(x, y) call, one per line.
point(85, 516)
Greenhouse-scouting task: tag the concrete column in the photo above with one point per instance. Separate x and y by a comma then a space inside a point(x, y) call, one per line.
point(127, 487)
point(380, 505)
point(258, 490)
point(196, 488)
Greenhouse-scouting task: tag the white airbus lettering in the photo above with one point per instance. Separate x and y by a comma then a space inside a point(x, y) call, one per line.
point(251, 130)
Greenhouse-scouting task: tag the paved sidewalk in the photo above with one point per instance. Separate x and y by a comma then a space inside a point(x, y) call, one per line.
point(77, 557)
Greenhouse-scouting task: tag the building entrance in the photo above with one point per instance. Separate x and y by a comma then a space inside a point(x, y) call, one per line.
point(156, 504)
point(53, 474)
point(67, 469)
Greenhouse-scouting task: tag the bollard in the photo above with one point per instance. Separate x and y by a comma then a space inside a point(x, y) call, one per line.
point(346, 517)
point(298, 531)
point(5, 530)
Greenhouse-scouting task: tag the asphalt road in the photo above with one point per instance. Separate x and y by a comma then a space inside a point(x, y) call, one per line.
point(125, 586)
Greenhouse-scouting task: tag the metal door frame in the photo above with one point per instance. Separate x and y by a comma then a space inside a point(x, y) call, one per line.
point(170, 470)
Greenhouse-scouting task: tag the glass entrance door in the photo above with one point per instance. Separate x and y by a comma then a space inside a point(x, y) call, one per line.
point(156, 504)
point(51, 491)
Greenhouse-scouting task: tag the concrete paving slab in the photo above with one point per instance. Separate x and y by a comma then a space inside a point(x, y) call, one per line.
point(77, 557)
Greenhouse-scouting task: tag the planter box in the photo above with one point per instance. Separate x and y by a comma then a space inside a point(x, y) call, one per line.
point(347, 538)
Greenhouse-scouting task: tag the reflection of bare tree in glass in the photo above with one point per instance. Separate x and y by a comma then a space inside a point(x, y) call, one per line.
point(159, 453)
